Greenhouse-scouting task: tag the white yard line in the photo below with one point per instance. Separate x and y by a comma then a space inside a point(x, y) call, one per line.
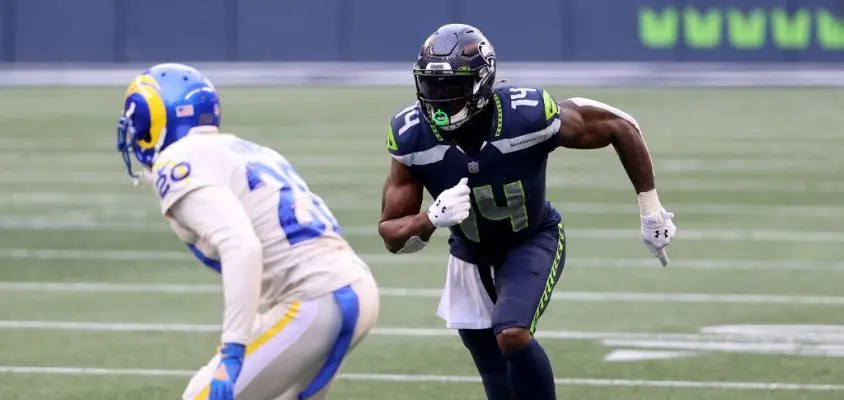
point(784, 349)
point(795, 236)
point(816, 336)
point(805, 338)
point(685, 184)
point(13, 369)
point(768, 386)
point(667, 145)
point(387, 260)
point(62, 144)
point(43, 223)
point(648, 297)
point(112, 161)
point(338, 159)
point(704, 264)
point(612, 382)
point(707, 209)
point(88, 199)
point(107, 327)
point(95, 254)
point(93, 205)
point(363, 184)
point(91, 287)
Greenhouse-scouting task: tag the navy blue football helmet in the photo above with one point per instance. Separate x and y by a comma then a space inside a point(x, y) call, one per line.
point(454, 75)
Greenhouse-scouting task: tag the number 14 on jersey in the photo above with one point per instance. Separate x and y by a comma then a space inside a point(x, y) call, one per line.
point(515, 210)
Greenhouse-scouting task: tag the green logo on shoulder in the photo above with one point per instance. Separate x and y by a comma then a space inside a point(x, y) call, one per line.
point(391, 140)
point(551, 108)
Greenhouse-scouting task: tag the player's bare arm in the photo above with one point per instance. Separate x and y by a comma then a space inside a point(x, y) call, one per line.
point(589, 124)
point(401, 202)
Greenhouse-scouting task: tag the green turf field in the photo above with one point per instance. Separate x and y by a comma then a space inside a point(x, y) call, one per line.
point(100, 301)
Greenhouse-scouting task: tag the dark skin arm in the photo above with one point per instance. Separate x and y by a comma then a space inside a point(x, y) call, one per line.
point(401, 202)
point(582, 128)
point(589, 127)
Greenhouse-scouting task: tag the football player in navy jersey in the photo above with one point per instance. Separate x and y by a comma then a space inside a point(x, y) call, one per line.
point(481, 151)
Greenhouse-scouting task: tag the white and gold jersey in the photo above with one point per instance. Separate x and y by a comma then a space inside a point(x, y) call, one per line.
point(303, 254)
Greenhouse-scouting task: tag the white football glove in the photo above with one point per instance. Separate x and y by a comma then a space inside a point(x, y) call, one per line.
point(657, 232)
point(452, 206)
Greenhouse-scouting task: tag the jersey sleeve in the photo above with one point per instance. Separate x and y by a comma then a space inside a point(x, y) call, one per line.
point(401, 133)
point(534, 116)
point(217, 216)
point(184, 168)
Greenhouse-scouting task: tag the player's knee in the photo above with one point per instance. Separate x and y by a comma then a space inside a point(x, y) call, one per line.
point(513, 339)
point(478, 341)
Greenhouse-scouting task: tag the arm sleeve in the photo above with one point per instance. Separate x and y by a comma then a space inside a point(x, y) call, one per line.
point(216, 215)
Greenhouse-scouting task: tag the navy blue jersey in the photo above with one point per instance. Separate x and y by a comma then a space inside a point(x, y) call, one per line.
point(507, 176)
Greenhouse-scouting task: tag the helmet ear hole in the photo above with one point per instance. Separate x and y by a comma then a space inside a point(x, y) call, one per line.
point(206, 119)
point(143, 136)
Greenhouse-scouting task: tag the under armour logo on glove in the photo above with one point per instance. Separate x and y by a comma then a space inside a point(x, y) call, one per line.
point(452, 206)
point(657, 231)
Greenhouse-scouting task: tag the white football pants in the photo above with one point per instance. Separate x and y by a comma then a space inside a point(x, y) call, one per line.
point(299, 345)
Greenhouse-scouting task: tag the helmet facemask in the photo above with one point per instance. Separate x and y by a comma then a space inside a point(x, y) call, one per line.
point(127, 144)
point(450, 98)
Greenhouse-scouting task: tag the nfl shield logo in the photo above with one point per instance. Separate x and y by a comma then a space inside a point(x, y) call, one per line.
point(473, 167)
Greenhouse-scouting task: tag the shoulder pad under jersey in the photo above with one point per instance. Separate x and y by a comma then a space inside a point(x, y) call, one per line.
point(529, 116)
point(411, 141)
point(183, 167)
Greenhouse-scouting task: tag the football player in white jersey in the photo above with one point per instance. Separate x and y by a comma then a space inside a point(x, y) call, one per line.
point(297, 298)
